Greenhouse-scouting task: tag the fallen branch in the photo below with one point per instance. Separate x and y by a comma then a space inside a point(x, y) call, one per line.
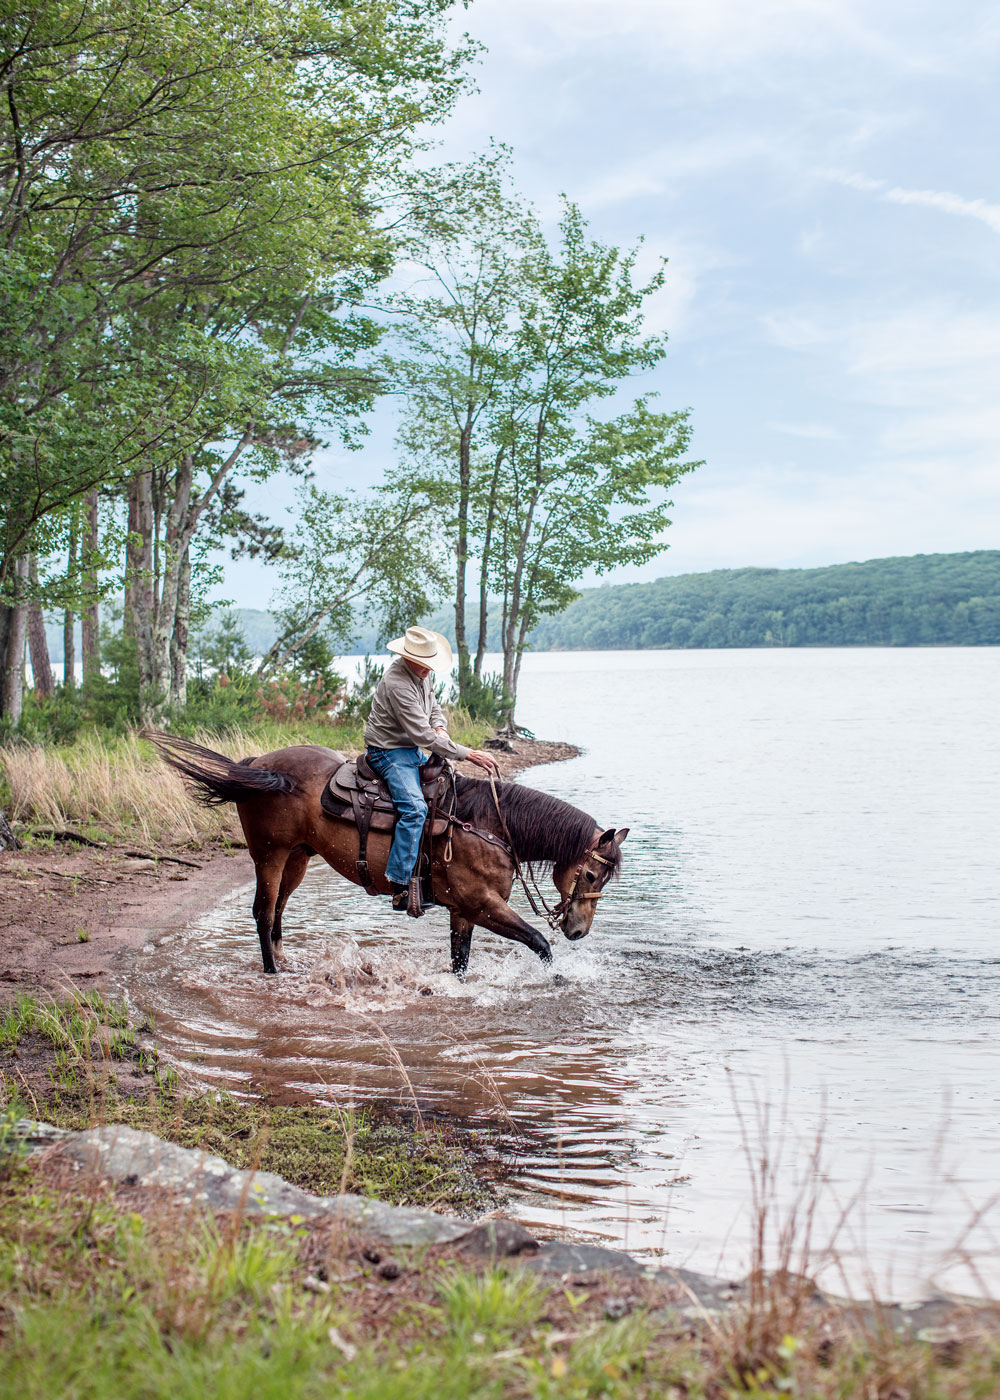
point(173, 860)
point(57, 834)
point(63, 834)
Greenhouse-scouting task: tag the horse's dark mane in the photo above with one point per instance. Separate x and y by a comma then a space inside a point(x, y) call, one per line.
point(545, 830)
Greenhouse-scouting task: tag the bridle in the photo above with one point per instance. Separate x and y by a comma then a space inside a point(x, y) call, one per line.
point(553, 916)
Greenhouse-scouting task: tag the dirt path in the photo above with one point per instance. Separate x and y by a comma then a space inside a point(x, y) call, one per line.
point(67, 912)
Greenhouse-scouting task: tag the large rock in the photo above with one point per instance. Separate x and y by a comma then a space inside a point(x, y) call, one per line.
point(566, 1260)
point(132, 1158)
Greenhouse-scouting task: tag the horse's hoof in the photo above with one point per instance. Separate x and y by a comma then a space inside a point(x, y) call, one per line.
point(558, 980)
point(271, 971)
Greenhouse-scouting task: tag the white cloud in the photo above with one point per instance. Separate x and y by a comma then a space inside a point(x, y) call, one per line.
point(656, 170)
point(989, 214)
point(928, 446)
point(795, 330)
point(942, 200)
point(767, 518)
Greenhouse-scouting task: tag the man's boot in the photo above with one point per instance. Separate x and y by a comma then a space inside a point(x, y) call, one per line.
point(400, 896)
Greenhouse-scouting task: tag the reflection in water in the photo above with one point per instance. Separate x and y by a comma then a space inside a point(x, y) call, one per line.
point(801, 944)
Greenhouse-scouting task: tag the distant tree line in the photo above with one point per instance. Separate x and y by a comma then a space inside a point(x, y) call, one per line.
point(920, 600)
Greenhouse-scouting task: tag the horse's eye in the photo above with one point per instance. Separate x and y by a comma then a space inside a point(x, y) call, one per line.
point(591, 876)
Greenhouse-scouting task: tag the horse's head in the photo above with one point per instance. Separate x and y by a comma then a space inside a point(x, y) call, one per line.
point(582, 884)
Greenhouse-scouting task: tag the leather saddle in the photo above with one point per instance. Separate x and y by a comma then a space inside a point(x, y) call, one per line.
point(356, 793)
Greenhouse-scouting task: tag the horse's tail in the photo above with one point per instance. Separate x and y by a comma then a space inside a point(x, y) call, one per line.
point(211, 778)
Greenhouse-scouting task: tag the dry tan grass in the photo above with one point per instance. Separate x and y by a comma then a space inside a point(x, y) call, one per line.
point(117, 787)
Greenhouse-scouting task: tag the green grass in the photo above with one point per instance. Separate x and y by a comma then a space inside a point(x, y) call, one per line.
point(98, 1301)
point(70, 1026)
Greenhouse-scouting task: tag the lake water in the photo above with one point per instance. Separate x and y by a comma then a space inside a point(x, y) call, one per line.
point(793, 995)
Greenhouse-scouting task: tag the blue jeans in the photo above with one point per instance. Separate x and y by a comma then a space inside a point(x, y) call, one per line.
point(400, 770)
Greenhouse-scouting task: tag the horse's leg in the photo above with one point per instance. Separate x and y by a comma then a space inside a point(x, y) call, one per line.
point(295, 868)
point(499, 917)
point(461, 942)
point(269, 873)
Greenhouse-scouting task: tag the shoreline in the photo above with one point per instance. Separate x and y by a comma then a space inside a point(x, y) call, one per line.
point(73, 910)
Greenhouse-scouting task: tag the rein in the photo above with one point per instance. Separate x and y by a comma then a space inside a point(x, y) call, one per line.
point(553, 917)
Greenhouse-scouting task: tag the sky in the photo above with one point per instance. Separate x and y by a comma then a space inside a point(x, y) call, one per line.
point(821, 175)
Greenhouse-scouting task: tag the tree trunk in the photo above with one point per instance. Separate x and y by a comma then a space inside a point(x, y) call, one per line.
point(69, 620)
point(522, 638)
point(462, 554)
point(6, 619)
point(511, 651)
point(38, 646)
point(90, 617)
point(12, 677)
point(179, 637)
point(484, 568)
point(8, 841)
point(139, 592)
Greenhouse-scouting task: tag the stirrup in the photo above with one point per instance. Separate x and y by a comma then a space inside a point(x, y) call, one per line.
point(414, 904)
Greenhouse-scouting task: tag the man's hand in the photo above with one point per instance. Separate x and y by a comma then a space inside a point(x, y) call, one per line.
point(483, 760)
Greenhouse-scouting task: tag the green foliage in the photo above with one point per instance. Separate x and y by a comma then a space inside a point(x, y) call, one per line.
point(358, 699)
point(352, 553)
point(192, 209)
point(919, 600)
point(503, 359)
point(214, 705)
point(485, 697)
point(149, 152)
point(224, 646)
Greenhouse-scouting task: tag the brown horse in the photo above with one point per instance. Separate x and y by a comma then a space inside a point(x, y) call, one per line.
point(277, 797)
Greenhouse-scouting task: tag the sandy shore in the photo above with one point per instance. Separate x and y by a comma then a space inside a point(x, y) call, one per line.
point(68, 912)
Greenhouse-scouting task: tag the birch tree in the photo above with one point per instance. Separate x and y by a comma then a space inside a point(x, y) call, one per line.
point(505, 375)
point(455, 327)
point(575, 492)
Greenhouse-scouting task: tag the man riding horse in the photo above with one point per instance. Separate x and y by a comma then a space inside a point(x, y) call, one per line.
point(405, 720)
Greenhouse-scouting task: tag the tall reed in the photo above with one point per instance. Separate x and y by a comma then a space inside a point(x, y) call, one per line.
point(114, 787)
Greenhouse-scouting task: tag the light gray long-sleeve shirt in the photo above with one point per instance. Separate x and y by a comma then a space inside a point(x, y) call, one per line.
point(405, 715)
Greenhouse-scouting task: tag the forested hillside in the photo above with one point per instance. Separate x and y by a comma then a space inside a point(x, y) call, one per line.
point(920, 600)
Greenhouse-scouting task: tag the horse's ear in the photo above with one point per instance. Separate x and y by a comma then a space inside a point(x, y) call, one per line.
point(620, 835)
point(612, 835)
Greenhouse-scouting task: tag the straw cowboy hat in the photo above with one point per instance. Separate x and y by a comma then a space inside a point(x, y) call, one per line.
point(422, 645)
